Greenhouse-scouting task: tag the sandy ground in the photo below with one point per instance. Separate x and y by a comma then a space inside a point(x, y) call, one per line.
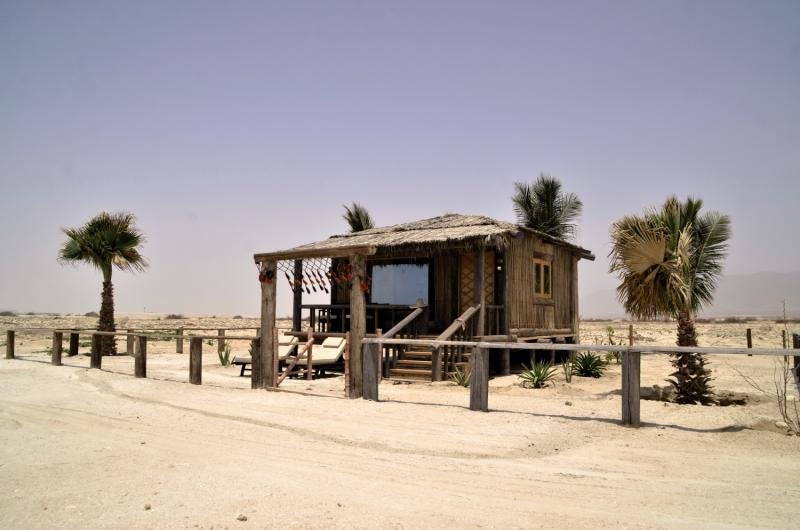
point(93, 448)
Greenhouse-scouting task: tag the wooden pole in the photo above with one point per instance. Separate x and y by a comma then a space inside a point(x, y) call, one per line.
point(255, 366)
point(267, 351)
point(179, 341)
point(220, 341)
point(96, 360)
point(480, 287)
point(505, 357)
point(310, 356)
point(358, 325)
point(346, 364)
point(479, 382)
point(371, 371)
point(297, 310)
point(783, 339)
point(58, 341)
point(10, 344)
point(749, 340)
point(74, 343)
point(130, 346)
point(195, 361)
point(630, 334)
point(631, 380)
point(140, 357)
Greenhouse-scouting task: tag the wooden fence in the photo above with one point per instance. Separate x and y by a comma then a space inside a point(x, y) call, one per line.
point(479, 361)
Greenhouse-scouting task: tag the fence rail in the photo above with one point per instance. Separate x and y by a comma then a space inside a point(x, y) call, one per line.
point(631, 364)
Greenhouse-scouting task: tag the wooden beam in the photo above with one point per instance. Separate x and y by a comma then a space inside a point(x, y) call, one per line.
point(796, 345)
point(631, 380)
point(372, 374)
point(573, 300)
point(74, 343)
point(10, 344)
point(505, 356)
point(220, 341)
point(196, 361)
point(140, 357)
point(749, 338)
point(179, 341)
point(479, 382)
point(358, 325)
point(297, 309)
point(341, 252)
point(255, 367)
point(58, 343)
point(480, 287)
point(267, 378)
point(96, 360)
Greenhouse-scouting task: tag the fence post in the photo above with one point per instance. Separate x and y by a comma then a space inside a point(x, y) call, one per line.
point(220, 341)
point(196, 361)
point(130, 343)
point(140, 356)
point(371, 371)
point(179, 341)
point(796, 345)
point(96, 360)
point(749, 341)
point(479, 384)
point(436, 363)
point(309, 354)
point(631, 381)
point(10, 344)
point(55, 356)
point(630, 334)
point(74, 343)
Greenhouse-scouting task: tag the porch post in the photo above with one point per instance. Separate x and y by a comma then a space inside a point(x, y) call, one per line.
point(265, 376)
point(480, 280)
point(358, 325)
point(297, 310)
point(505, 357)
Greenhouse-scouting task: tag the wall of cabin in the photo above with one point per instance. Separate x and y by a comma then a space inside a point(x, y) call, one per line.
point(526, 309)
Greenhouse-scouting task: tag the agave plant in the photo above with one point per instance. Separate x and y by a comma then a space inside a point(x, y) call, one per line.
point(461, 377)
point(588, 364)
point(537, 375)
point(225, 355)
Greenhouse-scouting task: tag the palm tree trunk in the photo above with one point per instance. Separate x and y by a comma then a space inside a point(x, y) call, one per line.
point(690, 378)
point(106, 323)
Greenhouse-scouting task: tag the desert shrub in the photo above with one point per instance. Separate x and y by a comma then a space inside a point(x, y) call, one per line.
point(7, 314)
point(461, 377)
point(210, 342)
point(237, 317)
point(30, 313)
point(538, 375)
point(174, 316)
point(614, 356)
point(92, 314)
point(588, 364)
point(225, 355)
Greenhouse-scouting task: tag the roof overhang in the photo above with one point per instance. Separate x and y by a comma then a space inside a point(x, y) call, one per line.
point(338, 252)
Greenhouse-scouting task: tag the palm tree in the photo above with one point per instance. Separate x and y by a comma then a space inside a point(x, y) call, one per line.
point(668, 261)
point(106, 241)
point(544, 207)
point(358, 218)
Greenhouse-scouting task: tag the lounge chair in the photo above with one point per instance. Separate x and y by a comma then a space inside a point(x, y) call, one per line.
point(326, 355)
point(287, 344)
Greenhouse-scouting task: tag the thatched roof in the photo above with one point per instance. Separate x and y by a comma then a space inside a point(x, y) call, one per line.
point(428, 235)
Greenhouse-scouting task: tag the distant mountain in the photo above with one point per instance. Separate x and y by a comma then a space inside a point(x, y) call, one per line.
point(758, 294)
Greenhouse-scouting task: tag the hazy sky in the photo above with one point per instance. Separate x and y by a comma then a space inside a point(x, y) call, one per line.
point(235, 127)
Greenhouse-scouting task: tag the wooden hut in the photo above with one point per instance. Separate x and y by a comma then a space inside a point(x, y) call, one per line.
point(452, 276)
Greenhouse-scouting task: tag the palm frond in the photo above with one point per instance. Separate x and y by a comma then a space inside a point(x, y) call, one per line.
point(358, 218)
point(544, 207)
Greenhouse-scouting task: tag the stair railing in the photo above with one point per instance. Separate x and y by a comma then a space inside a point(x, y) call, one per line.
point(402, 330)
point(446, 357)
